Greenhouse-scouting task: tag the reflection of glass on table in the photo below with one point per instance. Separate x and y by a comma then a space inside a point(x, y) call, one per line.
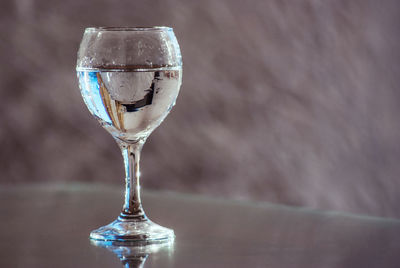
point(133, 255)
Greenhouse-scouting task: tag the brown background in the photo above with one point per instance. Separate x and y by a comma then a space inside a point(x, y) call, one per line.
point(295, 102)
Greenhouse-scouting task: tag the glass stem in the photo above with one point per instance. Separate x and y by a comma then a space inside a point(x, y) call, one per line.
point(132, 209)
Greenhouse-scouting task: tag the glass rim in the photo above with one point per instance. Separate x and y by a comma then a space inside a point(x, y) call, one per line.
point(128, 29)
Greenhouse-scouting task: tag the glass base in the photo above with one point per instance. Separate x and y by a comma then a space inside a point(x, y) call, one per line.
point(141, 231)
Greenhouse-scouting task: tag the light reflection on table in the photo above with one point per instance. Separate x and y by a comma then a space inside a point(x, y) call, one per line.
point(48, 226)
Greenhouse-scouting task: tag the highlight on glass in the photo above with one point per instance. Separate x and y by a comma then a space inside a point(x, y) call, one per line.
point(129, 80)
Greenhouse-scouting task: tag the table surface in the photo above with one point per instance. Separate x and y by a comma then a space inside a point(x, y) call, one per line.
point(48, 226)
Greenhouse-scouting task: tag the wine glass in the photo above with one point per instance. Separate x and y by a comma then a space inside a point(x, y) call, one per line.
point(129, 80)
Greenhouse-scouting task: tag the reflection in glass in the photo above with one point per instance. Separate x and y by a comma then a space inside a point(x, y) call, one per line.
point(129, 80)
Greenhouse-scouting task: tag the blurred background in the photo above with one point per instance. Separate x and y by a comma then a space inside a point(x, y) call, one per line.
point(292, 102)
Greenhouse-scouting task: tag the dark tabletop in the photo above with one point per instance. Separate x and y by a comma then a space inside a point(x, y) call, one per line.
point(48, 226)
